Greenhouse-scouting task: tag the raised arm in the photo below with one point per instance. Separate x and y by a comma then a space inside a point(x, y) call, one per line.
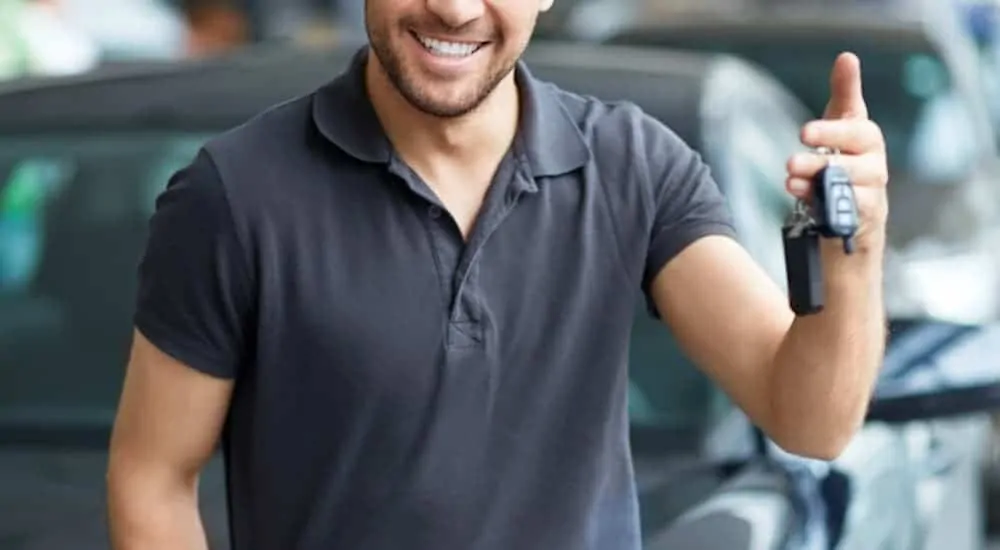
point(805, 381)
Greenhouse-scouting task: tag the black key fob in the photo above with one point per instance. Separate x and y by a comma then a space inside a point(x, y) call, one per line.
point(834, 206)
point(803, 268)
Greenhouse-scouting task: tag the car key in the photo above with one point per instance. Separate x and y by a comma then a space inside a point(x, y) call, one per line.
point(803, 268)
point(834, 206)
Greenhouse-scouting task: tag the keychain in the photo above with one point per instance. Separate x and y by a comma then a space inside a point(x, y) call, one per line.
point(833, 214)
point(834, 207)
point(802, 262)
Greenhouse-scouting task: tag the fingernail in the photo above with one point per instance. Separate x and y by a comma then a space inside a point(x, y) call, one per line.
point(799, 160)
point(798, 186)
point(809, 132)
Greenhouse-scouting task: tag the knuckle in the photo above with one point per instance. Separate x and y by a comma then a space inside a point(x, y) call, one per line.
point(862, 128)
point(870, 171)
point(879, 169)
point(883, 176)
point(874, 131)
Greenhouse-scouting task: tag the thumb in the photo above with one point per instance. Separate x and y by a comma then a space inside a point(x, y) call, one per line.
point(846, 97)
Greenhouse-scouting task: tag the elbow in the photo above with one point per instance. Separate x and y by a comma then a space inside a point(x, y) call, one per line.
point(825, 447)
point(816, 437)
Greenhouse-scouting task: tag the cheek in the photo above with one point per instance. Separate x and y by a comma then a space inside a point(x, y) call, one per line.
point(517, 31)
point(526, 25)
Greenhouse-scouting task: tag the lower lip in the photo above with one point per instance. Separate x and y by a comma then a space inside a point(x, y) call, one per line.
point(445, 64)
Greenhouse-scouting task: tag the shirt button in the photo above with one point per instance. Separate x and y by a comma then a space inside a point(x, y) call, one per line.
point(434, 212)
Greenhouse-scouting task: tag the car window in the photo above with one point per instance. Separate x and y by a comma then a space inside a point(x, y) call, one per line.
point(905, 84)
point(28, 184)
point(757, 193)
point(905, 91)
point(73, 215)
point(669, 396)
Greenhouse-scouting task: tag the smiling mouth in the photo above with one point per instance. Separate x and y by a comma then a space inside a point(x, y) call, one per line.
point(444, 48)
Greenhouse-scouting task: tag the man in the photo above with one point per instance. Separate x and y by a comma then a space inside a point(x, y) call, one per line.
point(214, 27)
point(405, 300)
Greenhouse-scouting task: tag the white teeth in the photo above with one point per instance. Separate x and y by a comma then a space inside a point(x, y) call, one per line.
point(448, 49)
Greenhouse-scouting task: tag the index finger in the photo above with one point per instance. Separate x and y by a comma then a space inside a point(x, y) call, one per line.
point(853, 137)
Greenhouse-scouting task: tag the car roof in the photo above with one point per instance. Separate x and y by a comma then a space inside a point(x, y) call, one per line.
point(929, 28)
point(682, 89)
point(209, 93)
point(810, 23)
point(891, 19)
point(225, 91)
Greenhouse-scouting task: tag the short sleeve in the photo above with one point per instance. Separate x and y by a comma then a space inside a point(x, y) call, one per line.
point(686, 201)
point(194, 289)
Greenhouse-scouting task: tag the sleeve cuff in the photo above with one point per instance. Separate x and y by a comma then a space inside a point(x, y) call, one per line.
point(183, 349)
point(667, 246)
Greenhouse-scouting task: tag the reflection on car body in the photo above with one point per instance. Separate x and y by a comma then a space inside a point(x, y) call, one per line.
point(118, 135)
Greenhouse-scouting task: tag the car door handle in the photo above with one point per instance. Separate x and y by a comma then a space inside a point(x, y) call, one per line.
point(941, 459)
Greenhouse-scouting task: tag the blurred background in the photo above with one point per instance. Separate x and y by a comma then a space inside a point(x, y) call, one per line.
point(101, 100)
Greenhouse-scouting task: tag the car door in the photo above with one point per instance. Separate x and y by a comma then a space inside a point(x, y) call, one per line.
point(876, 463)
point(677, 412)
point(73, 215)
point(762, 137)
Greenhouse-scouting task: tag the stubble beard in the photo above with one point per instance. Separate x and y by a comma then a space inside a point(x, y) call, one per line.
point(409, 89)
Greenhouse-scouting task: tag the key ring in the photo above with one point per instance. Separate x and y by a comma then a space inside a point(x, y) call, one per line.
point(832, 153)
point(801, 209)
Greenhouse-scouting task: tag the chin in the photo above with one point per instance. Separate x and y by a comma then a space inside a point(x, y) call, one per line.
point(444, 109)
point(442, 100)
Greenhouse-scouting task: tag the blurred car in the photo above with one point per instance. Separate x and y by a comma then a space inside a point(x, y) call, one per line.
point(945, 175)
point(982, 22)
point(83, 158)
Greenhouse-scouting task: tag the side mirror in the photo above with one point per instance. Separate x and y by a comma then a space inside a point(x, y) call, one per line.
point(935, 370)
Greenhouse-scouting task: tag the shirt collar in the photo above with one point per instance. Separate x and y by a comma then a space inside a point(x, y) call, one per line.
point(549, 140)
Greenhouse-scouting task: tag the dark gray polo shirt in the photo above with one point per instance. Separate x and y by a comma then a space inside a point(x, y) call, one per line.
point(396, 387)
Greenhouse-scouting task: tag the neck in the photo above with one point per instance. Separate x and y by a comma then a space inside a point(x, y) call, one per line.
point(432, 144)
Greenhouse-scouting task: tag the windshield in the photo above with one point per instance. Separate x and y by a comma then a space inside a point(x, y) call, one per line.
point(929, 133)
point(73, 215)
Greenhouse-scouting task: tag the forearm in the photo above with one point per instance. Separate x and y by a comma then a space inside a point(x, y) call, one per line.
point(825, 369)
point(152, 512)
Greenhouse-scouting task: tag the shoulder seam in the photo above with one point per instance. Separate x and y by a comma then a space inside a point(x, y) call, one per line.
point(231, 218)
point(610, 210)
point(616, 227)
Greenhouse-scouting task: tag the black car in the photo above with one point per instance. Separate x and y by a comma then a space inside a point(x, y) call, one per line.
point(82, 159)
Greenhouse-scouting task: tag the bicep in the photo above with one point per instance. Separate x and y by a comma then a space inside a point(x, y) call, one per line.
point(727, 315)
point(193, 305)
point(725, 312)
point(170, 415)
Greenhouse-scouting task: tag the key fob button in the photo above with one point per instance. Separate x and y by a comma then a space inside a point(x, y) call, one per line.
point(845, 220)
point(844, 205)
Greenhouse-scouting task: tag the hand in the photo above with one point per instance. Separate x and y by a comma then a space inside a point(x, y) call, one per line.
point(846, 127)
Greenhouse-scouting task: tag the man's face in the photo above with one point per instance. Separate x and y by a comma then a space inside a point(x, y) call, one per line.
point(446, 56)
